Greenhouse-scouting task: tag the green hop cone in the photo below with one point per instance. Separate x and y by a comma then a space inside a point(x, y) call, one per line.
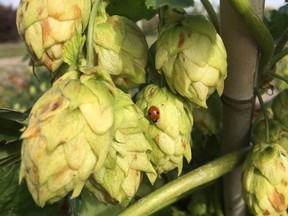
point(265, 180)
point(192, 57)
point(279, 105)
point(45, 26)
point(118, 180)
point(198, 205)
point(169, 131)
point(122, 50)
point(277, 133)
point(68, 137)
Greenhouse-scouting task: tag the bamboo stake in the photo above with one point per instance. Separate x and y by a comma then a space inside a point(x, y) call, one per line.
point(238, 98)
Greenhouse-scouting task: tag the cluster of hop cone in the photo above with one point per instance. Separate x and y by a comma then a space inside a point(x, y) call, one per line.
point(86, 131)
point(265, 170)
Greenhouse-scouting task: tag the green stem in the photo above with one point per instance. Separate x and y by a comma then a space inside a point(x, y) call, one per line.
point(284, 79)
point(206, 173)
point(90, 33)
point(282, 42)
point(265, 115)
point(277, 57)
point(212, 14)
point(258, 29)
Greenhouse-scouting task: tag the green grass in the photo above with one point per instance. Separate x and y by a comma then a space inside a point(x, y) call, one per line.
point(12, 49)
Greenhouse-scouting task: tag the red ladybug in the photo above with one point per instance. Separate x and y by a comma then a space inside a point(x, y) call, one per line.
point(154, 113)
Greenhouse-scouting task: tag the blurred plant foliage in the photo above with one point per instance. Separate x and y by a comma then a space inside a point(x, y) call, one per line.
point(277, 22)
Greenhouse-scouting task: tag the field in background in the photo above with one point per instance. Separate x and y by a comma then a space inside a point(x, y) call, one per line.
point(19, 88)
point(12, 49)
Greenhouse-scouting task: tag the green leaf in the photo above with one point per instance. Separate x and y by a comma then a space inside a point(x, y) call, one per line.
point(172, 3)
point(93, 207)
point(10, 154)
point(277, 21)
point(9, 130)
point(73, 50)
point(13, 115)
point(15, 199)
point(134, 10)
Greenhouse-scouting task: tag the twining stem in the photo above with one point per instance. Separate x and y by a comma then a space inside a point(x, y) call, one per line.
point(282, 42)
point(212, 14)
point(266, 118)
point(277, 57)
point(284, 79)
point(206, 173)
point(90, 33)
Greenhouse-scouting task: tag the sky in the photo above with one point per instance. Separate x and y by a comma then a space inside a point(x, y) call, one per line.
point(270, 3)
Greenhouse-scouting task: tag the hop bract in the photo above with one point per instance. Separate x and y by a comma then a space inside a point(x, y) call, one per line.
point(192, 57)
point(170, 126)
point(118, 180)
point(265, 179)
point(122, 50)
point(45, 26)
point(67, 138)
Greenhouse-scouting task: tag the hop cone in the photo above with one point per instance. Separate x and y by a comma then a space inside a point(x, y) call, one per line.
point(277, 133)
point(168, 133)
point(192, 57)
point(45, 26)
point(279, 105)
point(122, 50)
point(67, 138)
point(265, 179)
point(118, 180)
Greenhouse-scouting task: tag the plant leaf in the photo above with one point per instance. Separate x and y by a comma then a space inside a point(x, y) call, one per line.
point(93, 207)
point(172, 3)
point(277, 21)
point(134, 10)
point(13, 115)
point(15, 199)
point(9, 130)
point(73, 50)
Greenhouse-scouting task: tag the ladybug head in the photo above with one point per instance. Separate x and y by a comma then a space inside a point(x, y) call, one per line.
point(154, 113)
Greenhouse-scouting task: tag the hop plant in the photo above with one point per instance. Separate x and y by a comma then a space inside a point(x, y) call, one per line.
point(170, 125)
point(46, 25)
point(118, 180)
point(68, 137)
point(264, 179)
point(122, 49)
point(192, 57)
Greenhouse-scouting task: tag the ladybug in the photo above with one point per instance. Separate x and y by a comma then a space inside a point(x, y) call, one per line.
point(154, 113)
